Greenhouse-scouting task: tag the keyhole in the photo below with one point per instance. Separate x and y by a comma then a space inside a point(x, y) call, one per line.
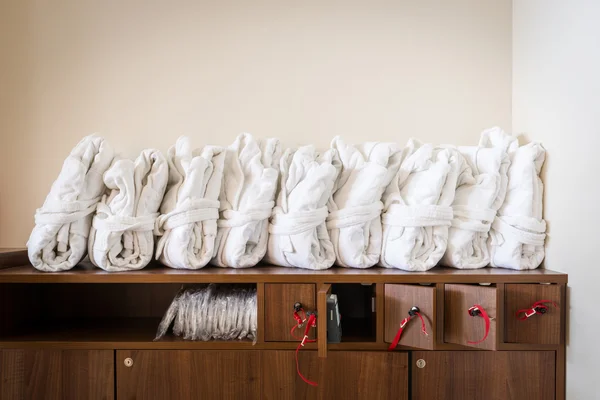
point(128, 362)
point(421, 363)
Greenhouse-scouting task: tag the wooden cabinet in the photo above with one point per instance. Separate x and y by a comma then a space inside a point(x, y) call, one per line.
point(483, 375)
point(56, 374)
point(279, 307)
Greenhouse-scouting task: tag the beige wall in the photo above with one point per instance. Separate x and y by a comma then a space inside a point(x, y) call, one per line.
point(142, 73)
point(557, 100)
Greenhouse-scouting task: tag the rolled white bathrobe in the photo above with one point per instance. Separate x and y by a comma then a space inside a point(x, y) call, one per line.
point(121, 237)
point(519, 231)
point(62, 225)
point(417, 207)
point(354, 221)
point(190, 209)
point(246, 201)
point(478, 197)
point(298, 234)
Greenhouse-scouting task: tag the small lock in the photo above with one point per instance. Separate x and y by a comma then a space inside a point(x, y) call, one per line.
point(128, 362)
point(297, 306)
point(421, 363)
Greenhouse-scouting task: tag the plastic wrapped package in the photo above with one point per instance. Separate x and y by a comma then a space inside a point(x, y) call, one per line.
point(222, 312)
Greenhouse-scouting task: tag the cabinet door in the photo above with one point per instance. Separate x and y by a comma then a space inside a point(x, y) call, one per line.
point(345, 375)
point(56, 374)
point(188, 374)
point(279, 308)
point(479, 375)
point(398, 301)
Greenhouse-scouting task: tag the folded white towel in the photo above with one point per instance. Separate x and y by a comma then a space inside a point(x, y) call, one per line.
point(298, 235)
point(417, 207)
point(190, 209)
point(519, 231)
point(354, 221)
point(246, 201)
point(62, 225)
point(121, 237)
point(477, 199)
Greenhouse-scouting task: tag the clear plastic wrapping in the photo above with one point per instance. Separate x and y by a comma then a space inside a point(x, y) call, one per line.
point(222, 312)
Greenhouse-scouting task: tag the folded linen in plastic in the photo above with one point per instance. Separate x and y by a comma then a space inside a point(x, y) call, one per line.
point(298, 234)
point(417, 207)
point(518, 233)
point(62, 225)
point(478, 197)
point(121, 238)
point(246, 201)
point(187, 225)
point(354, 221)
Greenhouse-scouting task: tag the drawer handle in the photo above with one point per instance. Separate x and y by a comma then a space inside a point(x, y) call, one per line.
point(477, 311)
point(128, 362)
point(539, 307)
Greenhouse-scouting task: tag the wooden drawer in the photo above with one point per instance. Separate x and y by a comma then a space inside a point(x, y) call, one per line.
point(279, 308)
point(399, 299)
point(539, 328)
point(462, 328)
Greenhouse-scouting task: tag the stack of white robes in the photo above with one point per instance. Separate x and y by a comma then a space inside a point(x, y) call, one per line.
point(298, 234)
point(121, 237)
point(354, 221)
point(478, 197)
point(190, 209)
point(417, 207)
point(62, 225)
point(519, 231)
point(246, 201)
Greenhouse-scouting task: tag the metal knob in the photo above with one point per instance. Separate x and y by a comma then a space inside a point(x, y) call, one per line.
point(128, 362)
point(421, 363)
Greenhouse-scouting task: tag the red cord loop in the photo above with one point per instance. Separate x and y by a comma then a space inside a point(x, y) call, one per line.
point(403, 324)
point(539, 307)
point(475, 311)
point(311, 322)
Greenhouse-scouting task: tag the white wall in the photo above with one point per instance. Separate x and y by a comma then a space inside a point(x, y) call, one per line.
point(556, 100)
point(142, 73)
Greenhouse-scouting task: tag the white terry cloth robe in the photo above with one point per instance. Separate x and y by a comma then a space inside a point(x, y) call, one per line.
point(519, 231)
point(121, 238)
point(58, 241)
point(298, 234)
point(478, 197)
point(190, 209)
point(354, 221)
point(417, 207)
point(246, 201)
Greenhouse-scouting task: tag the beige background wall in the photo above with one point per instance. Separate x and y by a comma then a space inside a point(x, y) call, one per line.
point(142, 73)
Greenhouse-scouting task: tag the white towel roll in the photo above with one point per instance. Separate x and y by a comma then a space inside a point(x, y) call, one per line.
point(121, 237)
point(62, 225)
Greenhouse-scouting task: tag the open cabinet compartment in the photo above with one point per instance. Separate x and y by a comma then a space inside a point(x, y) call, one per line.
point(356, 304)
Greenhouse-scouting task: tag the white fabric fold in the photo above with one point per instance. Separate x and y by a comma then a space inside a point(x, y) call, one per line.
point(477, 199)
point(62, 225)
point(247, 199)
point(518, 233)
point(187, 225)
point(417, 207)
point(354, 222)
point(121, 237)
point(298, 234)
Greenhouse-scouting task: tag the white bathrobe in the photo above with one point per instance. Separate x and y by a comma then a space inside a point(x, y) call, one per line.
point(189, 212)
point(59, 239)
point(246, 201)
point(478, 198)
point(121, 237)
point(417, 207)
point(298, 234)
point(354, 221)
point(519, 231)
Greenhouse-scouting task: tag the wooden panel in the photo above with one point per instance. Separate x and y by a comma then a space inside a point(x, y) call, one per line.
point(13, 257)
point(478, 375)
point(279, 308)
point(342, 375)
point(56, 374)
point(189, 374)
point(324, 290)
point(459, 326)
point(540, 328)
point(398, 301)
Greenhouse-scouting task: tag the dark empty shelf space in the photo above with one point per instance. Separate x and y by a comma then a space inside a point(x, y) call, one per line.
point(356, 303)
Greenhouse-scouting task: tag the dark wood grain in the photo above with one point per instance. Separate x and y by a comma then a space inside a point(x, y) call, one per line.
point(279, 308)
point(561, 356)
point(479, 375)
point(13, 257)
point(342, 375)
point(459, 326)
point(260, 312)
point(324, 290)
point(188, 374)
point(398, 301)
point(56, 374)
point(540, 328)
